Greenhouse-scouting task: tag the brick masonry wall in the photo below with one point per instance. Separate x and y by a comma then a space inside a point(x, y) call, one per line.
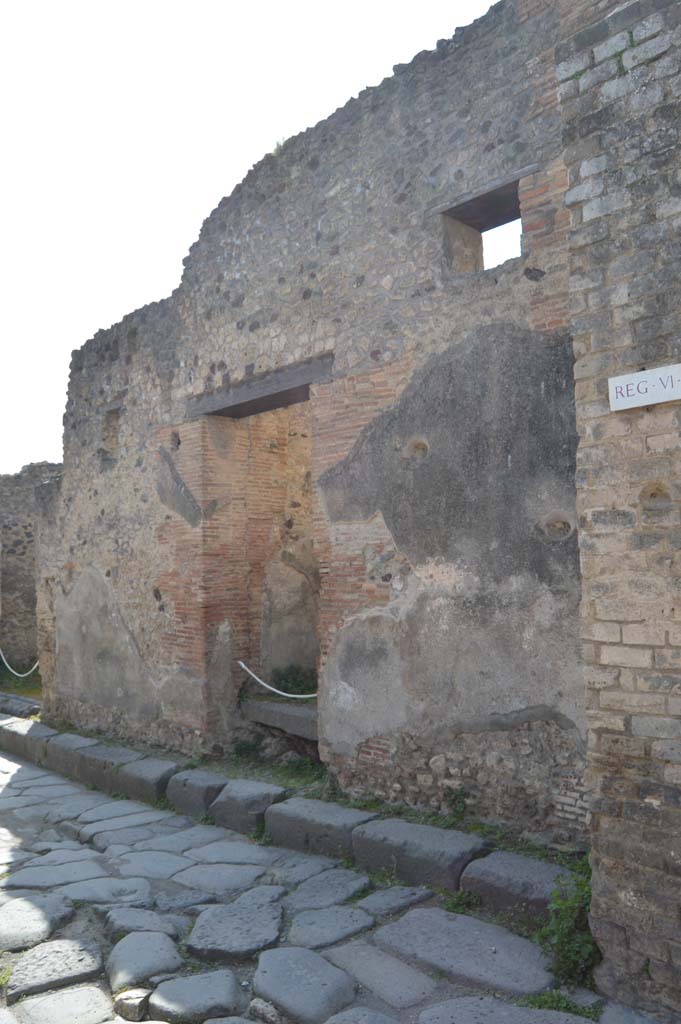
point(621, 100)
point(18, 562)
point(335, 244)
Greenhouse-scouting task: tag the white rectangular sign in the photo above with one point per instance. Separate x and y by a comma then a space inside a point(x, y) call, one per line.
point(663, 384)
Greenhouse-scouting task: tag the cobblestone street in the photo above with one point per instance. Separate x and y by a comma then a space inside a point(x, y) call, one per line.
point(112, 909)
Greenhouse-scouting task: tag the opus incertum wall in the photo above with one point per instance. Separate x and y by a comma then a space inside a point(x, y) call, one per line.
point(342, 441)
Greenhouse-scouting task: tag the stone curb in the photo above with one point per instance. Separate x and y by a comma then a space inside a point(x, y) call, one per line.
point(416, 854)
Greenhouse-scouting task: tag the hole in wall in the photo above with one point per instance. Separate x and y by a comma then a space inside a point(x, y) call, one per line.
point(175, 441)
point(417, 448)
point(555, 527)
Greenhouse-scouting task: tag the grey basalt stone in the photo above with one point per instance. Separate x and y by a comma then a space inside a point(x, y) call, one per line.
point(508, 881)
point(317, 928)
point(193, 791)
point(147, 779)
point(302, 984)
point(185, 839)
point(388, 901)
point(488, 1010)
point(53, 965)
point(219, 878)
point(230, 851)
point(616, 1013)
point(61, 751)
point(326, 890)
point(360, 1015)
point(47, 876)
point(468, 951)
point(86, 1004)
point(99, 765)
point(194, 999)
point(242, 804)
point(240, 929)
point(295, 868)
point(25, 921)
point(421, 854)
point(131, 1004)
point(121, 921)
point(397, 983)
point(152, 864)
point(126, 821)
point(25, 738)
point(130, 891)
point(314, 826)
point(139, 956)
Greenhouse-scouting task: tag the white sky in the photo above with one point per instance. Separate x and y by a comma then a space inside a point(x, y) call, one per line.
point(123, 124)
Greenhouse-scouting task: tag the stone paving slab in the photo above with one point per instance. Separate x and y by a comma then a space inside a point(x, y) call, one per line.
point(153, 864)
point(193, 999)
point(53, 965)
point(302, 984)
point(616, 1013)
point(395, 982)
point(53, 875)
point(141, 955)
point(112, 809)
point(360, 1015)
point(128, 891)
point(326, 889)
point(314, 826)
point(235, 852)
point(147, 779)
point(239, 930)
point(488, 1010)
point(84, 1005)
point(298, 867)
point(242, 804)
point(193, 791)
point(317, 928)
point(385, 902)
point(146, 817)
point(25, 738)
point(27, 921)
point(220, 878)
point(121, 921)
point(197, 836)
point(468, 951)
point(420, 854)
point(508, 881)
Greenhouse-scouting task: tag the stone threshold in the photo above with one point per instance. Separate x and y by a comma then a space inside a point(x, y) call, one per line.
point(421, 855)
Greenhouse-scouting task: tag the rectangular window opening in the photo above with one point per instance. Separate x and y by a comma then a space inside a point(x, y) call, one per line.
point(484, 231)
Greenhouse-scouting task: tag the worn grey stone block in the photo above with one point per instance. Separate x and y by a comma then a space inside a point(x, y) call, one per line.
point(193, 791)
point(468, 951)
point(317, 928)
point(234, 932)
point(314, 826)
point(60, 752)
point(326, 890)
point(86, 1004)
point(53, 965)
point(130, 891)
point(220, 878)
point(360, 1015)
point(388, 901)
point(25, 921)
point(139, 956)
point(242, 804)
point(147, 779)
point(420, 854)
point(99, 765)
point(194, 999)
point(25, 738)
point(508, 881)
point(616, 1013)
point(398, 984)
point(488, 1010)
point(302, 984)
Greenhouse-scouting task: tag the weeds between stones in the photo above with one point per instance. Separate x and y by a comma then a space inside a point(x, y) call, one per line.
point(566, 937)
point(557, 1001)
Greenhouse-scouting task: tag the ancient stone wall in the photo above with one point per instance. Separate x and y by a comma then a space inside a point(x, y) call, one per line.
point(621, 97)
point(18, 562)
point(441, 450)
